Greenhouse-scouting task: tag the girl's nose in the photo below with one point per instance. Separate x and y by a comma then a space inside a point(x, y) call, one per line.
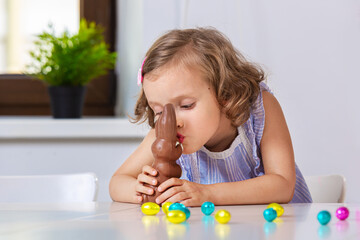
point(179, 123)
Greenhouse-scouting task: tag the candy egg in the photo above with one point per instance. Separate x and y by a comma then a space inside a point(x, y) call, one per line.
point(165, 207)
point(222, 216)
point(269, 214)
point(324, 217)
point(181, 207)
point(277, 207)
point(150, 208)
point(176, 206)
point(176, 216)
point(187, 212)
point(342, 213)
point(207, 208)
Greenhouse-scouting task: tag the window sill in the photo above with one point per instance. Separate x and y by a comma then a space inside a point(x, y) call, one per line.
point(12, 128)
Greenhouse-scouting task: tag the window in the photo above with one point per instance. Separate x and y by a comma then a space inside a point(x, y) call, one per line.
point(21, 95)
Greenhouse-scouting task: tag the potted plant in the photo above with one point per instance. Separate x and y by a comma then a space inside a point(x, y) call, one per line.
point(66, 63)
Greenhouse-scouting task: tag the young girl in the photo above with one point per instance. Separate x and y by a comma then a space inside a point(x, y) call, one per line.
point(236, 145)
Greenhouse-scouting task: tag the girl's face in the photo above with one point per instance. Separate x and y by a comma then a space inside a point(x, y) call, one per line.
point(199, 118)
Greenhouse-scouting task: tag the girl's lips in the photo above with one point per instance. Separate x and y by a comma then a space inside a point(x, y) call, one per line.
point(180, 137)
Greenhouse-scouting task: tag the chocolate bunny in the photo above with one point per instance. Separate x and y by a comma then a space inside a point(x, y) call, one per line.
point(166, 150)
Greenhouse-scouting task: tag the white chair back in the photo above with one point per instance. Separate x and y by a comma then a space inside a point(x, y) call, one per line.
point(327, 188)
point(82, 187)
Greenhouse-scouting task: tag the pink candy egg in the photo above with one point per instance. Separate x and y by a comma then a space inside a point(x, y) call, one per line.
point(342, 213)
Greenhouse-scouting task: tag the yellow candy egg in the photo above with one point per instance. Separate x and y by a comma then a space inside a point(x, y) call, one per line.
point(150, 208)
point(222, 216)
point(165, 207)
point(277, 207)
point(176, 216)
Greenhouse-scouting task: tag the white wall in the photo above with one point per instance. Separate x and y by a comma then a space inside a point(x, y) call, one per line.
point(310, 50)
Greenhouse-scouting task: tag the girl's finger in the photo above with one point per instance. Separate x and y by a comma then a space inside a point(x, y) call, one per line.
point(169, 183)
point(147, 179)
point(178, 197)
point(145, 190)
point(189, 202)
point(138, 198)
point(149, 170)
point(167, 194)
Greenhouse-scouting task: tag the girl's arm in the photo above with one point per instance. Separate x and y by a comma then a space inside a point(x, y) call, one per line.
point(276, 185)
point(126, 183)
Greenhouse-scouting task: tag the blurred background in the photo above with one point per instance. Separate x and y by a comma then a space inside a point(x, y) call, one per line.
point(309, 49)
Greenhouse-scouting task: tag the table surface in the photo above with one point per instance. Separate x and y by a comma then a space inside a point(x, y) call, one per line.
point(106, 220)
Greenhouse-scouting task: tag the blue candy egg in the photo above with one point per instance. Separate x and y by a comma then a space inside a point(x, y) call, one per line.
point(181, 207)
point(207, 208)
point(269, 214)
point(324, 217)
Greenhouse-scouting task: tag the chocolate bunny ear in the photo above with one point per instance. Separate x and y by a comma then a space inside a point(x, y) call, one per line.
point(165, 127)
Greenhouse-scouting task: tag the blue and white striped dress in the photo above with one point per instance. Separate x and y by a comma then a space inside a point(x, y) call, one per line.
point(241, 161)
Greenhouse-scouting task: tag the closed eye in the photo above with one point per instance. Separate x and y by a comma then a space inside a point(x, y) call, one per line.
point(188, 106)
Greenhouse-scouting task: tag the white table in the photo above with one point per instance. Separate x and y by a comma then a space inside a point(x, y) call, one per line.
point(126, 221)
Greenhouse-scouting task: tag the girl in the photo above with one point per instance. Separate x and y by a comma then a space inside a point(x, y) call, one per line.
point(236, 145)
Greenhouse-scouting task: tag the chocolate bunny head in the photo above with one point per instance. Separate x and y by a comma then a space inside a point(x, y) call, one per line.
point(165, 127)
point(165, 145)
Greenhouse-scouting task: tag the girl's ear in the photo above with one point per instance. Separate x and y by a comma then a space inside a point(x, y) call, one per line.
point(222, 105)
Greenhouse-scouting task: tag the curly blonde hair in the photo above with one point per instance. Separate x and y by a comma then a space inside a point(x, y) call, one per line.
point(234, 79)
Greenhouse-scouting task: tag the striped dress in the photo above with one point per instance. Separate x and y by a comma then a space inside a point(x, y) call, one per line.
point(241, 161)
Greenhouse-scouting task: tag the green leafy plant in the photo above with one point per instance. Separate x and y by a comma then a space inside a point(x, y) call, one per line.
point(71, 60)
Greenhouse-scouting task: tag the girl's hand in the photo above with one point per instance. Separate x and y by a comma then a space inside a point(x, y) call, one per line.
point(146, 176)
point(179, 190)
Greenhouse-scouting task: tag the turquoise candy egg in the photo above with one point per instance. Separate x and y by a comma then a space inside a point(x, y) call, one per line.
point(324, 217)
point(277, 207)
point(207, 208)
point(269, 214)
point(181, 207)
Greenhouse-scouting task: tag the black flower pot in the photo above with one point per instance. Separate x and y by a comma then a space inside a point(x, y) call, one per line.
point(67, 101)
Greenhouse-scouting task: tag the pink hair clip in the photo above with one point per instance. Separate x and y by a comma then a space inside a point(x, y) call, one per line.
point(140, 77)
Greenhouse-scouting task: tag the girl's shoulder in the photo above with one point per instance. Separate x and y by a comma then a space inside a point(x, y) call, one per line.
point(264, 87)
point(255, 125)
point(257, 109)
